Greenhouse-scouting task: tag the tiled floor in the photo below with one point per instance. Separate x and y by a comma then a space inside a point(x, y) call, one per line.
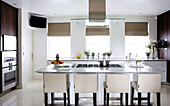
point(32, 95)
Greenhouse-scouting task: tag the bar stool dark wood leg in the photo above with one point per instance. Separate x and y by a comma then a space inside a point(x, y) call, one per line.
point(158, 99)
point(94, 99)
point(139, 99)
point(149, 99)
point(104, 97)
point(52, 99)
point(107, 99)
point(132, 95)
point(64, 94)
point(121, 99)
point(46, 99)
point(68, 93)
point(126, 99)
point(76, 99)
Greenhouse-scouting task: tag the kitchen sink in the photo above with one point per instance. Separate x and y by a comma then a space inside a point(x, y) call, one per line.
point(96, 65)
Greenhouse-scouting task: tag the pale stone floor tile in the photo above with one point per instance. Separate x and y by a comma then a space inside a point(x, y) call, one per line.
point(32, 95)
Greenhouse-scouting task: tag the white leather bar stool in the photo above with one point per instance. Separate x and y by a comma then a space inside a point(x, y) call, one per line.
point(146, 83)
point(85, 83)
point(116, 83)
point(56, 83)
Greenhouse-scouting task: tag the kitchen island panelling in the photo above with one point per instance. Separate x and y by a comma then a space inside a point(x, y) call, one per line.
point(125, 69)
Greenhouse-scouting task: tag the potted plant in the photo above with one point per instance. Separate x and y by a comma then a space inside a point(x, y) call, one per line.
point(108, 54)
point(148, 54)
point(92, 54)
point(87, 53)
point(148, 50)
point(104, 54)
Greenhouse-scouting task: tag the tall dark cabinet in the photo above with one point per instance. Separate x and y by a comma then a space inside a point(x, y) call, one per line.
point(8, 19)
point(163, 28)
point(9, 29)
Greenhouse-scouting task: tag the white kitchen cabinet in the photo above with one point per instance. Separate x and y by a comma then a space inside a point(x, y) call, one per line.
point(158, 65)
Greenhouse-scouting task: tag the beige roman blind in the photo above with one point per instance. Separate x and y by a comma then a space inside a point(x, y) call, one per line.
point(136, 28)
point(97, 31)
point(58, 29)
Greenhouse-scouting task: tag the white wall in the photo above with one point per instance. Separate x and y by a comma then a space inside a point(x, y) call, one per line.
point(117, 38)
point(39, 46)
point(25, 49)
point(77, 37)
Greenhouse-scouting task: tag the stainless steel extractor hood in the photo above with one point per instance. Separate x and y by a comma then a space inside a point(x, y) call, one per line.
point(97, 10)
point(97, 13)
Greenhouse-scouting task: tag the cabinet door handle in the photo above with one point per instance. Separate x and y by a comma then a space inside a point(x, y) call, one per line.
point(10, 66)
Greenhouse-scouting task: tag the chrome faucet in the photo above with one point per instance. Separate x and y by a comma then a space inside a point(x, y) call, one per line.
point(130, 56)
point(104, 62)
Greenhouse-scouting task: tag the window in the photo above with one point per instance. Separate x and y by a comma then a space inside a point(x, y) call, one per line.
point(98, 44)
point(60, 45)
point(136, 45)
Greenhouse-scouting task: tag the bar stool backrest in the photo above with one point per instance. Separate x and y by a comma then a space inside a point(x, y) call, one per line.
point(85, 83)
point(55, 83)
point(117, 83)
point(149, 83)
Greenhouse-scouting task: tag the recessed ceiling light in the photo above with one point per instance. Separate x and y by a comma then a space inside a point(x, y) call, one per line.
point(14, 4)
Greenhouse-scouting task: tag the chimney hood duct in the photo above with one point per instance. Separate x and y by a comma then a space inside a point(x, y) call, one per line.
point(97, 10)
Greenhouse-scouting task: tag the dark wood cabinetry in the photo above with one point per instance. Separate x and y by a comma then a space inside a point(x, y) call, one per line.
point(163, 28)
point(8, 26)
point(8, 19)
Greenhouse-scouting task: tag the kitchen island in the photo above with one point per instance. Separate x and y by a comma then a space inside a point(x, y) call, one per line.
point(125, 68)
point(100, 71)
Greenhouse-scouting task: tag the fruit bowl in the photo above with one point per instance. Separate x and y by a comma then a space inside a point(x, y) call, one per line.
point(78, 55)
point(57, 62)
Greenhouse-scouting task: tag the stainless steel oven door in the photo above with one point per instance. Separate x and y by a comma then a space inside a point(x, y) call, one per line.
point(8, 58)
point(9, 78)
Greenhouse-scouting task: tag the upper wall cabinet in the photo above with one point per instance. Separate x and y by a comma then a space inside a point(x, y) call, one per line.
point(163, 28)
point(8, 19)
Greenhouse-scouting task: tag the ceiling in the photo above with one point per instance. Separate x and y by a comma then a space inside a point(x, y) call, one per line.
point(76, 8)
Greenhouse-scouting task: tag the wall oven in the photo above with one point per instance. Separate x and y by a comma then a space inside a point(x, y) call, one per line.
point(9, 78)
point(8, 55)
point(8, 58)
point(9, 70)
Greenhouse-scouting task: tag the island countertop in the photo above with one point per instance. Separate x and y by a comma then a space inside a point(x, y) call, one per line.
point(111, 59)
point(99, 70)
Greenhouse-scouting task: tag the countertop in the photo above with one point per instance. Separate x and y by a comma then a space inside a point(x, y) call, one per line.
point(111, 59)
point(124, 69)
